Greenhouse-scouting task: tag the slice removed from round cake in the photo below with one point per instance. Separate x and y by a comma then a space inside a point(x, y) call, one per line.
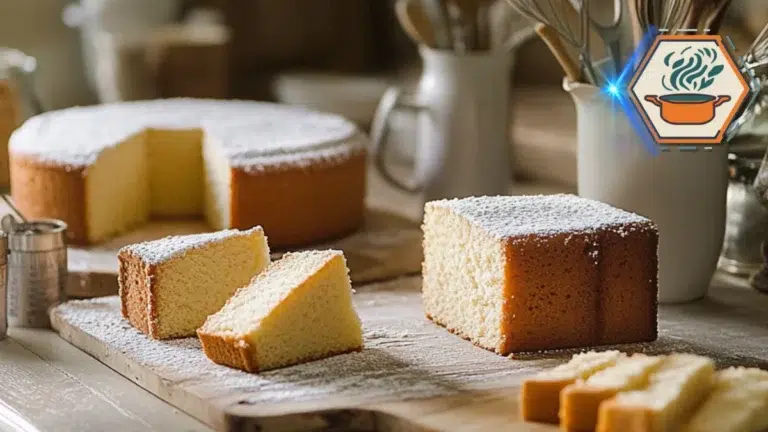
point(297, 310)
point(168, 287)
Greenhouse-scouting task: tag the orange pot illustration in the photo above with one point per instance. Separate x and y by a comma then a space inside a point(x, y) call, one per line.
point(687, 108)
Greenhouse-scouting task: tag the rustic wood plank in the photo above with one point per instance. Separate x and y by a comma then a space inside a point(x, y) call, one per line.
point(406, 356)
point(54, 400)
point(424, 379)
point(104, 382)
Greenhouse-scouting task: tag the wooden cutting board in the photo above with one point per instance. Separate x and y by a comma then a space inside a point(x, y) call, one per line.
point(412, 374)
point(387, 246)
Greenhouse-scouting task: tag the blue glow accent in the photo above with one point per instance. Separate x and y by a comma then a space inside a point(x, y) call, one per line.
point(617, 90)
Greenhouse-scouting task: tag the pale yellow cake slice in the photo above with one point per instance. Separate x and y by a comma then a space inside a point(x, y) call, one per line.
point(168, 287)
point(738, 403)
point(674, 392)
point(540, 395)
point(579, 402)
point(299, 309)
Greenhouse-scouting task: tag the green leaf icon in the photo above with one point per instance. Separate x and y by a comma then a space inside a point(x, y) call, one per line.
point(677, 64)
point(715, 71)
point(706, 83)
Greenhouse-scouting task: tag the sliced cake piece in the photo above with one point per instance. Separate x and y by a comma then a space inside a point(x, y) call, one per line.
point(673, 393)
point(738, 403)
point(299, 309)
point(579, 402)
point(168, 287)
point(540, 395)
point(526, 273)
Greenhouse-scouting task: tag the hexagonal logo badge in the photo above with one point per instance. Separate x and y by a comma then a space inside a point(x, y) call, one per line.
point(688, 89)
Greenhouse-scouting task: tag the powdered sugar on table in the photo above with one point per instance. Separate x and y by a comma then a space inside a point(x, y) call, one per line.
point(405, 356)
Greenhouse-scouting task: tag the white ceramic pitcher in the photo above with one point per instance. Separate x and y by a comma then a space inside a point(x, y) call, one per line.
point(462, 147)
point(684, 192)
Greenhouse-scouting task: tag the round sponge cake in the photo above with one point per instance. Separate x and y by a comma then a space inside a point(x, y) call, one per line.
point(107, 168)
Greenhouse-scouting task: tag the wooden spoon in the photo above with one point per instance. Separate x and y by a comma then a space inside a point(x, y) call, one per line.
point(555, 44)
point(415, 22)
point(714, 18)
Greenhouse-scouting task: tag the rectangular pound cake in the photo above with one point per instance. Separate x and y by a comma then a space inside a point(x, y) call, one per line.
point(527, 273)
point(540, 395)
point(168, 287)
point(299, 309)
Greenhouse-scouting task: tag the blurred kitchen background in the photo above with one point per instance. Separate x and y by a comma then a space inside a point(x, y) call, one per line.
point(333, 55)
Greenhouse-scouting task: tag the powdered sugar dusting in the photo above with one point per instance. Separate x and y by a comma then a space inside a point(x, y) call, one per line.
point(157, 251)
point(542, 215)
point(248, 133)
point(405, 356)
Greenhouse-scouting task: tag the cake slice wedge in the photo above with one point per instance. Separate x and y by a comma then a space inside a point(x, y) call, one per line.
point(299, 309)
point(579, 402)
point(168, 287)
point(738, 403)
point(540, 395)
point(674, 392)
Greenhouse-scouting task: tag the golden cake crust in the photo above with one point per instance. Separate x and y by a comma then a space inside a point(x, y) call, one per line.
point(579, 407)
point(237, 353)
point(44, 190)
point(615, 417)
point(138, 304)
point(301, 205)
point(229, 351)
point(296, 205)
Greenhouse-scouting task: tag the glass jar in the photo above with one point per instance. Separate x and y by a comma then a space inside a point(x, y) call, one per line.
point(746, 225)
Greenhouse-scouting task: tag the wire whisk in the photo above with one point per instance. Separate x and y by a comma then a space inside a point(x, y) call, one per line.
point(757, 54)
point(560, 15)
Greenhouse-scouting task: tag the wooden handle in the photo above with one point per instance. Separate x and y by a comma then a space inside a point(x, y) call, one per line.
point(555, 44)
point(415, 22)
point(637, 26)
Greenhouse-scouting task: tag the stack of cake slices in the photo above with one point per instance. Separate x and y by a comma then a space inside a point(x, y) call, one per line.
point(614, 392)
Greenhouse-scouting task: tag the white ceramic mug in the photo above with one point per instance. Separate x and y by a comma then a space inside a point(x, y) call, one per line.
point(684, 192)
point(462, 145)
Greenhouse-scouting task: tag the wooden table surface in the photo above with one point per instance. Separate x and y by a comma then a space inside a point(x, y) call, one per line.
point(49, 385)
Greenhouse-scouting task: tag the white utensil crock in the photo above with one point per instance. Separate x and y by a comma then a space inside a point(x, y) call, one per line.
point(462, 146)
point(684, 192)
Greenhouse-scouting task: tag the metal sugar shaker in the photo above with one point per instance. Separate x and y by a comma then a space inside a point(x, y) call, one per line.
point(37, 271)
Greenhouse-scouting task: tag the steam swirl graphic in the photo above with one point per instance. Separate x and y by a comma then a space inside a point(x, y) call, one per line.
point(691, 72)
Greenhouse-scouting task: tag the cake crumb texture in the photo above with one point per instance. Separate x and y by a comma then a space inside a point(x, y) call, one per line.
point(527, 273)
point(298, 310)
point(737, 403)
point(168, 287)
